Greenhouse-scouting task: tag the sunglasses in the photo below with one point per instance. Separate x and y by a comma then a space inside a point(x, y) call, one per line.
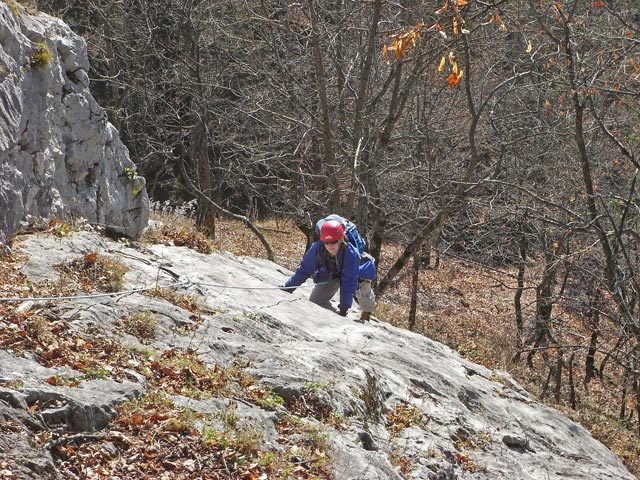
point(331, 243)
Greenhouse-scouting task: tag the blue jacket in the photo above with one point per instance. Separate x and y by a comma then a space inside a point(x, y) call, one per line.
point(351, 268)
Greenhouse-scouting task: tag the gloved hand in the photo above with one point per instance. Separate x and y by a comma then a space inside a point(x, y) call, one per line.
point(287, 289)
point(343, 312)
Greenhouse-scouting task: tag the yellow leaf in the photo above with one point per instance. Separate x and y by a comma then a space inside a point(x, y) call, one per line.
point(454, 67)
point(443, 8)
point(461, 3)
point(455, 26)
point(443, 61)
point(529, 46)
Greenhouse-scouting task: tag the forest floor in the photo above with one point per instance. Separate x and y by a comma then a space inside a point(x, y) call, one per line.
point(470, 307)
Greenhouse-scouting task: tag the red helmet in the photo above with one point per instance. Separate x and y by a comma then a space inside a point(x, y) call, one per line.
point(331, 231)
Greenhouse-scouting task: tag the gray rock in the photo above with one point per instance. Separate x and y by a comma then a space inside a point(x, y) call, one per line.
point(361, 371)
point(25, 461)
point(59, 156)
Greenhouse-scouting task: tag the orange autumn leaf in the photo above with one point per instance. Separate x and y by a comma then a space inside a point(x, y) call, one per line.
point(453, 79)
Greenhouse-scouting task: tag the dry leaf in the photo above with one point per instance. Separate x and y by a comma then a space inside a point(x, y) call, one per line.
point(443, 8)
point(453, 79)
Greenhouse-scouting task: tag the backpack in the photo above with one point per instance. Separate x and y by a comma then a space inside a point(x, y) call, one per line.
point(351, 233)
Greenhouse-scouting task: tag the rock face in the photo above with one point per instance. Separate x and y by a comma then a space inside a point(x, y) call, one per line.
point(59, 156)
point(473, 423)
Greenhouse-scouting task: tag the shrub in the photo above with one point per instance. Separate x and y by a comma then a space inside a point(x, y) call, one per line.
point(41, 56)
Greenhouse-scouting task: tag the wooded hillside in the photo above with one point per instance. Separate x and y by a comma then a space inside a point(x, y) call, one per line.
point(505, 133)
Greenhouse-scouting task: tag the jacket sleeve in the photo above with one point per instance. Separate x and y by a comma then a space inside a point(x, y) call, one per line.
point(306, 268)
point(367, 267)
point(349, 276)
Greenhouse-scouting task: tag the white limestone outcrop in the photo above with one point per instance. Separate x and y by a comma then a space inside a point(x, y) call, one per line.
point(59, 155)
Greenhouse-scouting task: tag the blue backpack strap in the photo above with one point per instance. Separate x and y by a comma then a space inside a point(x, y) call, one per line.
point(355, 238)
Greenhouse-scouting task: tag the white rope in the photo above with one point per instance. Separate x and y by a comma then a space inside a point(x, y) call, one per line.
point(136, 290)
point(282, 287)
point(92, 295)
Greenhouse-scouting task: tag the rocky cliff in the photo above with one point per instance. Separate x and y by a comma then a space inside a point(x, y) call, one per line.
point(59, 156)
point(264, 374)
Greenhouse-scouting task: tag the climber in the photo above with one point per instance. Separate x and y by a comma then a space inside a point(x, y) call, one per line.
point(336, 264)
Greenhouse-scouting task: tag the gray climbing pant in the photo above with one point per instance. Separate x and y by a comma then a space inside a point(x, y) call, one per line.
point(322, 294)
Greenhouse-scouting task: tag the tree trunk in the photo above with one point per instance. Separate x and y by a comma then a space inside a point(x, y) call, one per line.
point(327, 134)
point(357, 140)
point(205, 215)
point(558, 376)
point(408, 252)
point(541, 336)
point(573, 396)
point(415, 276)
point(517, 300)
point(593, 318)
